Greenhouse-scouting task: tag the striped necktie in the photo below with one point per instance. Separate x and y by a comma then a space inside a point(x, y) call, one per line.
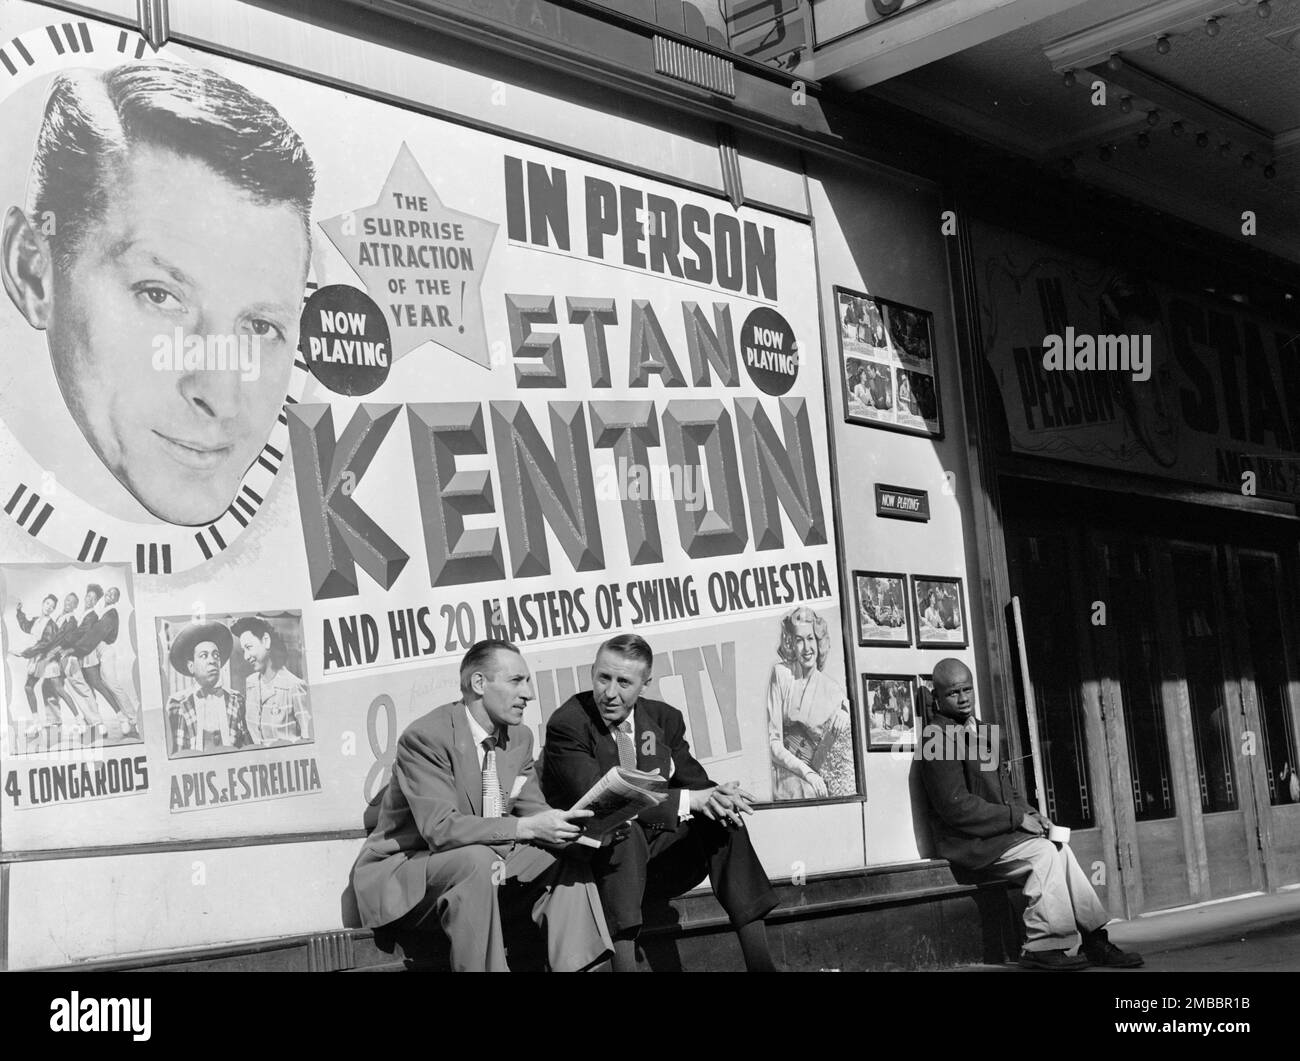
point(625, 744)
point(492, 801)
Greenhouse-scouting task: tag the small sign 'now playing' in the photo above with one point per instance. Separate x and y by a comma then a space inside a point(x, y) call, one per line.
point(898, 502)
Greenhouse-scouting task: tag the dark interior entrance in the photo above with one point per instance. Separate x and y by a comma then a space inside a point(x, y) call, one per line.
point(1161, 651)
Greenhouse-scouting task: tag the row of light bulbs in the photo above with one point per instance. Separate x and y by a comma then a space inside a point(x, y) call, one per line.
point(1115, 63)
point(1106, 152)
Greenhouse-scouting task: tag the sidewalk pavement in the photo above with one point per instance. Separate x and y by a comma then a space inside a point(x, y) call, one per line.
point(1254, 932)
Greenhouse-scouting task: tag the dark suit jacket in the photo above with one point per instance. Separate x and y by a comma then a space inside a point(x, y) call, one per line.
point(976, 813)
point(434, 804)
point(580, 750)
point(87, 635)
point(102, 631)
point(48, 635)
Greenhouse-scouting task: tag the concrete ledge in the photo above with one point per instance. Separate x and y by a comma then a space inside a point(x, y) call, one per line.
point(913, 916)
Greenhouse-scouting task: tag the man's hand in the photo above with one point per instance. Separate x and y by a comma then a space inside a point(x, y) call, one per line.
point(1032, 824)
point(554, 827)
point(722, 803)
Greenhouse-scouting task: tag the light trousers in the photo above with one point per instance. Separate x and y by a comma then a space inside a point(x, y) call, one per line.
point(1061, 899)
point(116, 672)
point(465, 889)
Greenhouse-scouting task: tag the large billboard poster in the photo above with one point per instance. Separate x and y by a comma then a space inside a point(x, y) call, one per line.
point(1099, 367)
point(301, 394)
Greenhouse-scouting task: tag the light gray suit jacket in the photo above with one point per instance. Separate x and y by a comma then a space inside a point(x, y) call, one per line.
point(433, 804)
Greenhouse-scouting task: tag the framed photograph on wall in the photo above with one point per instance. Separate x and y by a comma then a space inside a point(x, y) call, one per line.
point(887, 364)
point(925, 706)
point(883, 615)
point(940, 610)
point(889, 701)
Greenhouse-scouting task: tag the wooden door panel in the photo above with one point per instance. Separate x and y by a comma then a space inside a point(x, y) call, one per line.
point(1284, 852)
point(1088, 846)
point(1227, 836)
point(1164, 864)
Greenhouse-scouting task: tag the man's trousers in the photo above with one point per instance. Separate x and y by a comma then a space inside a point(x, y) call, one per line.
point(1060, 896)
point(674, 861)
point(465, 889)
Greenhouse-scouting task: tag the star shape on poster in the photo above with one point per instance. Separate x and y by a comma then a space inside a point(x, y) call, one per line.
point(423, 262)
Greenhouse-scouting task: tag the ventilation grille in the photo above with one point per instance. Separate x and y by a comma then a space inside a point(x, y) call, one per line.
point(330, 952)
point(695, 66)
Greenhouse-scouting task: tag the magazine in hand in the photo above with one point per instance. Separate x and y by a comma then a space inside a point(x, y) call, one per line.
point(616, 798)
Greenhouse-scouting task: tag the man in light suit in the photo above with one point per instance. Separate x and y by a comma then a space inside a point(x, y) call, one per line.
point(698, 830)
point(458, 826)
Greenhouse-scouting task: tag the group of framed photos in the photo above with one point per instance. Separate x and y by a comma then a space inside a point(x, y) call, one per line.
point(888, 364)
point(886, 612)
point(889, 380)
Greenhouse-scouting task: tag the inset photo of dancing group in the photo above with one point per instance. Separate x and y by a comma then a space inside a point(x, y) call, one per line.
point(70, 660)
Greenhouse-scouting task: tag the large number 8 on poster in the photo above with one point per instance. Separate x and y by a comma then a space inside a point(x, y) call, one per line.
point(384, 756)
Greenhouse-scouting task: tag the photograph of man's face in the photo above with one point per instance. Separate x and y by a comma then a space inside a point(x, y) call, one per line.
point(205, 666)
point(180, 204)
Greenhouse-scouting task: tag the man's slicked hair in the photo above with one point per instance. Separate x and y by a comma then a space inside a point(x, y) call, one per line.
point(632, 646)
point(93, 118)
point(480, 656)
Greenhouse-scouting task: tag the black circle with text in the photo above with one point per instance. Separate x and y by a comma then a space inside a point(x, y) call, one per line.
point(345, 340)
point(769, 351)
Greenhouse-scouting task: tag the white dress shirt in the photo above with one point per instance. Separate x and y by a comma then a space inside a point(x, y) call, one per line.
point(480, 735)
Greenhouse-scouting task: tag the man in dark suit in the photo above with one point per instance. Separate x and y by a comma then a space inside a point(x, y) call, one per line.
point(981, 823)
point(457, 826)
point(697, 830)
point(92, 634)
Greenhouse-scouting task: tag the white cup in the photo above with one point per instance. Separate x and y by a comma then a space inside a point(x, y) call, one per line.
point(1059, 834)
